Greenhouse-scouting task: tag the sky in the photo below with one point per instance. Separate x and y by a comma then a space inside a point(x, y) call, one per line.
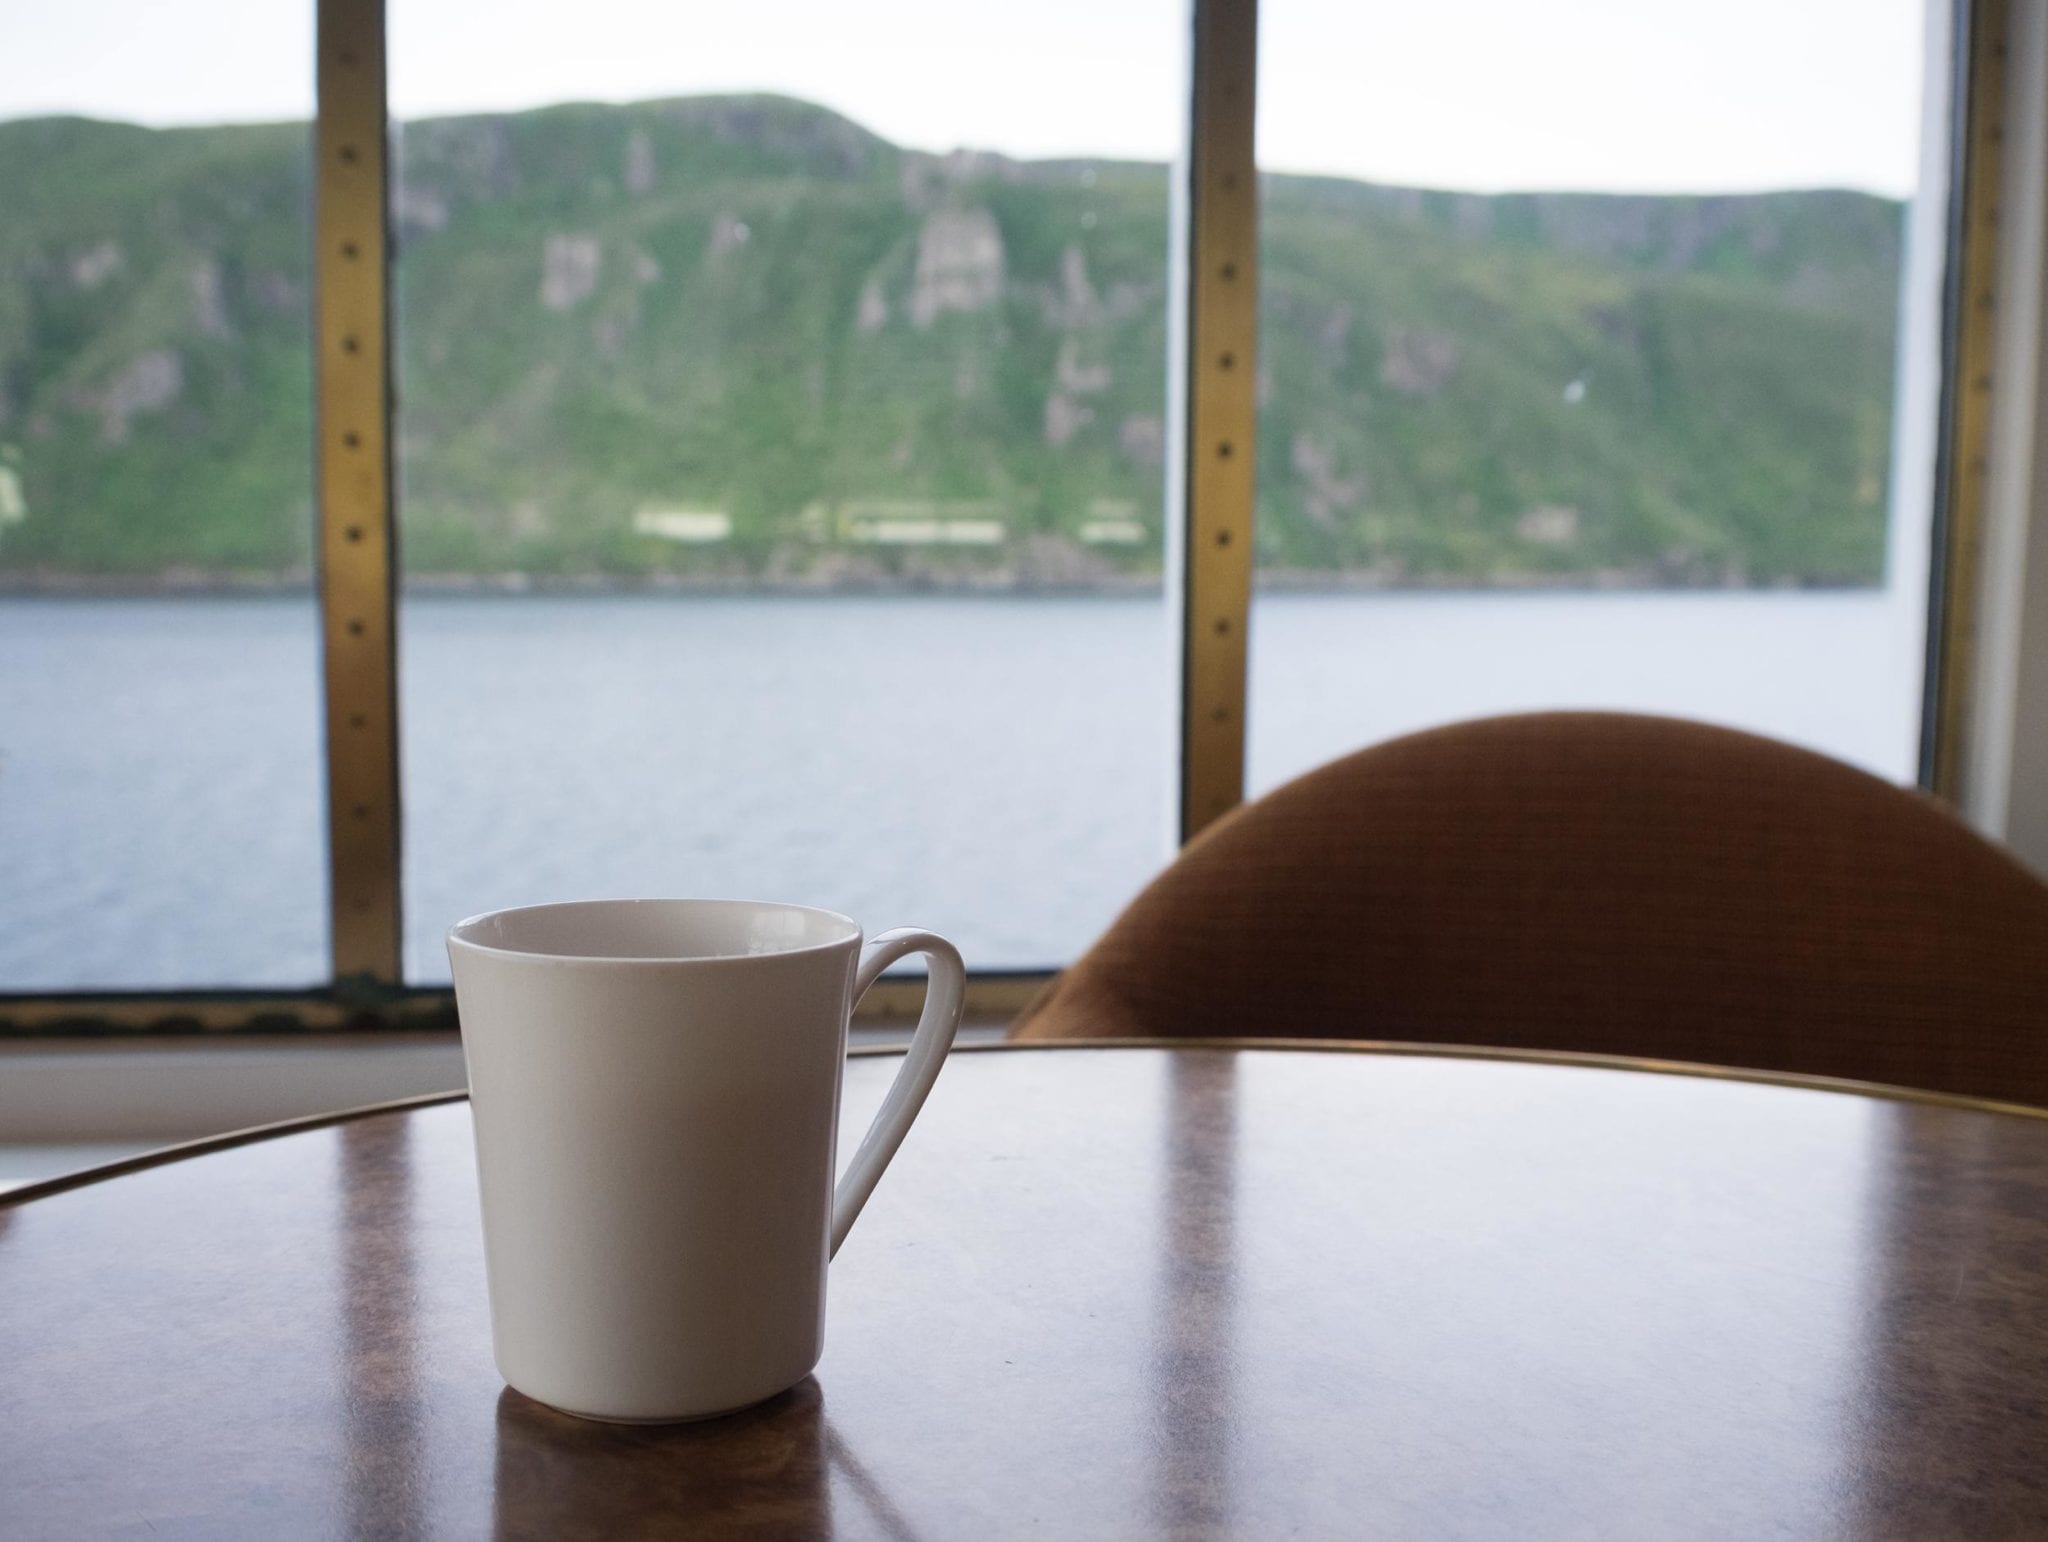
point(1487, 95)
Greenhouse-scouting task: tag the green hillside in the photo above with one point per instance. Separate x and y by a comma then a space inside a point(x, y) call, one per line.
point(743, 337)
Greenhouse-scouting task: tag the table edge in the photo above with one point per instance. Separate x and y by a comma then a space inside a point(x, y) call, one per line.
point(1580, 1059)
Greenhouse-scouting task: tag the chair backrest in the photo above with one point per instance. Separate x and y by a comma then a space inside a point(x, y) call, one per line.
point(1595, 882)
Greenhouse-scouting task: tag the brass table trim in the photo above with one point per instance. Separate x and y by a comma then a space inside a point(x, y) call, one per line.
point(1581, 1060)
point(163, 1156)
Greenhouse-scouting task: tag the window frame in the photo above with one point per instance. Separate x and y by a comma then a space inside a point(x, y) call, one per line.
point(1980, 31)
point(1212, 425)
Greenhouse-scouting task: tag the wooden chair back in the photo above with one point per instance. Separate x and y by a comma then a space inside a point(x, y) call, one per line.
point(1595, 882)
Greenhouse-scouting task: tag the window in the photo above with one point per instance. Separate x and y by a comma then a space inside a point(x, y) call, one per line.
point(782, 423)
point(159, 752)
point(1577, 371)
point(780, 448)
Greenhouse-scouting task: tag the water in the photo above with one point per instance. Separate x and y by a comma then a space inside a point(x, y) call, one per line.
point(994, 768)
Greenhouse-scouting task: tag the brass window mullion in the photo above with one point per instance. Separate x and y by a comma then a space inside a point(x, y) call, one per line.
point(1969, 343)
point(353, 449)
point(1212, 406)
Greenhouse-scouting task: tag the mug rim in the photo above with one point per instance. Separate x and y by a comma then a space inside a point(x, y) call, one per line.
point(457, 938)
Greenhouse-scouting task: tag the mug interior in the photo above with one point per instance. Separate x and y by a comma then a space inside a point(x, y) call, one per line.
point(655, 929)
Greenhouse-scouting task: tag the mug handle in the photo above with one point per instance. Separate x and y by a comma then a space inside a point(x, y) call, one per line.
point(944, 995)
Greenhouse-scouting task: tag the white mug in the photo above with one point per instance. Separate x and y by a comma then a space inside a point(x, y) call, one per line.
point(655, 1087)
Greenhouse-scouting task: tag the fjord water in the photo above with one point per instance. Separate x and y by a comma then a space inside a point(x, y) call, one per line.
point(992, 768)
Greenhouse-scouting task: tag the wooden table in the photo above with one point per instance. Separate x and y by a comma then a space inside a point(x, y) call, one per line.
point(1112, 1292)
